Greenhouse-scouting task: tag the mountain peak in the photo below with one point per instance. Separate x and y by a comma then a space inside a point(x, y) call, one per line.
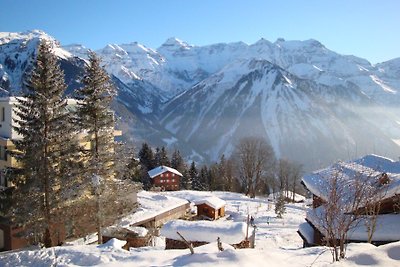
point(36, 32)
point(137, 48)
point(175, 42)
point(262, 42)
point(6, 37)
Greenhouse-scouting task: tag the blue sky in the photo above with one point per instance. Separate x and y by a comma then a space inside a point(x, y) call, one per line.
point(365, 28)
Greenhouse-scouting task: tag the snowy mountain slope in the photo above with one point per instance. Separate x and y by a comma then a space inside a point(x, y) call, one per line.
point(176, 66)
point(299, 95)
point(17, 53)
point(258, 98)
point(311, 60)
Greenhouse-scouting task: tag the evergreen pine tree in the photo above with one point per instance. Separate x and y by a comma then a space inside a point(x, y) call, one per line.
point(194, 177)
point(177, 161)
point(186, 181)
point(161, 157)
point(164, 160)
point(45, 148)
point(146, 157)
point(280, 206)
point(132, 171)
point(204, 179)
point(127, 166)
point(213, 177)
point(95, 116)
point(157, 157)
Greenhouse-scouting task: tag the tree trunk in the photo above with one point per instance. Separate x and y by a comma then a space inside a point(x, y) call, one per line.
point(47, 235)
point(99, 220)
point(342, 252)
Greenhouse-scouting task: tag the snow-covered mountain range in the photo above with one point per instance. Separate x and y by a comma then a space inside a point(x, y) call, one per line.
point(312, 104)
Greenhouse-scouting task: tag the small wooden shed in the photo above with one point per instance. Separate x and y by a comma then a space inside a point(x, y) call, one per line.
point(210, 207)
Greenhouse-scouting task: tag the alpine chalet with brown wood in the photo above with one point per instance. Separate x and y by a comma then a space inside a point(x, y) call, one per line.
point(166, 178)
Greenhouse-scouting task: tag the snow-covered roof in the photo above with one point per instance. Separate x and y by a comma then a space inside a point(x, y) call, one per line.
point(161, 169)
point(151, 205)
point(115, 229)
point(370, 166)
point(387, 226)
point(206, 231)
point(307, 232)
point(214, 202)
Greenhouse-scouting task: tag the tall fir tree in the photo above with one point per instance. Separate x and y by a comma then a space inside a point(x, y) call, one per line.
point(161, 157)
point(177, 161)
point(146, 157)
point(46, 150)
point(204, 178)
point(129, 167)
point(95, 116)
point(194, 177)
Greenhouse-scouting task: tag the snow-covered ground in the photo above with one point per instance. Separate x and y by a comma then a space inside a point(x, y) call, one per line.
point(277, 243)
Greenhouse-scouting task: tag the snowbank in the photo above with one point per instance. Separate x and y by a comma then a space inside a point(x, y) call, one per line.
point(113, 243)
point(206, 231)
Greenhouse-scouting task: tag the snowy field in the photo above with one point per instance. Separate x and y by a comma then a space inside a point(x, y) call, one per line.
point(277, 243)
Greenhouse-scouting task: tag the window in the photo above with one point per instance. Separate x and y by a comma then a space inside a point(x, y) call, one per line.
point(162, 175)
point(173, 180)
point(3, 115)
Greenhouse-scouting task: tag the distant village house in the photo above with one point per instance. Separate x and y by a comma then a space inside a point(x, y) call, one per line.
point(166, 178)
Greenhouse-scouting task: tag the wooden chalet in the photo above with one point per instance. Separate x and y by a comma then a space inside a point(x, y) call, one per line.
point(210, 207)
point(166, 178)
point(383, 173)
